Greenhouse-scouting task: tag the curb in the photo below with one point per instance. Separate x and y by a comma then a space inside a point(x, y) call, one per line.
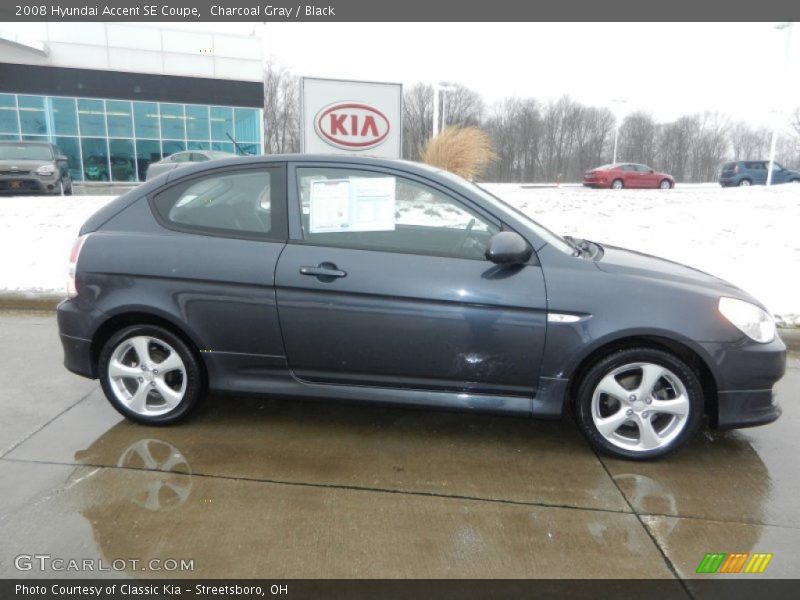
point(21, 301)
point(31, 302)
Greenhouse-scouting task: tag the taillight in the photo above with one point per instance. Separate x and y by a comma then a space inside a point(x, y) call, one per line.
point(72, 291)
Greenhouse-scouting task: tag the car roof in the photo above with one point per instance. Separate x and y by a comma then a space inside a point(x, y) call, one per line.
point(392, 163)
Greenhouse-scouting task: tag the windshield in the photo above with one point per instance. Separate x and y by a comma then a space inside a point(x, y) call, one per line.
point(541, 231)
point(25, 152)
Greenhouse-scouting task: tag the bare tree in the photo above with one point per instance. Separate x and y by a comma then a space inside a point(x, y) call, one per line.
point(461, 106)
point(417, 119)
point(281, 111)
point(637, 138)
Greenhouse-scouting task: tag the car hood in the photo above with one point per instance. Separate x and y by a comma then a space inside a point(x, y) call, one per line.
point(23, 165)
point(637, 264)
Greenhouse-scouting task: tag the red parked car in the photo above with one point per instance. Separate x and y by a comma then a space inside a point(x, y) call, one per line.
point(627, 175)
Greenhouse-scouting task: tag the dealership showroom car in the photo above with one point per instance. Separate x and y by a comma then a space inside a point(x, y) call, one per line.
point(627, 175)
point(183, 159)
point(33, 168)
point(390, 282)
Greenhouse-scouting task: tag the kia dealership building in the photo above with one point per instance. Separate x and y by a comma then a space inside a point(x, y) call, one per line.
point(116, 97)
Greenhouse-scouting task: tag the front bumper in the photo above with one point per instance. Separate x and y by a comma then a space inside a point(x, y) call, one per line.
point(745, 374)
point(27, 184)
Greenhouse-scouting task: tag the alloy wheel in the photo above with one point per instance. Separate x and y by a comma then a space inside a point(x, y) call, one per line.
point(147, 375)
point(640, 407)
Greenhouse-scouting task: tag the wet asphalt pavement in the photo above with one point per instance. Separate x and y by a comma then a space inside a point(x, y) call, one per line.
point(267, 488)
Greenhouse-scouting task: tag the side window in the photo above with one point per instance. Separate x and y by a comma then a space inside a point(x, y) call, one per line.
point(631, 168)
point(180, 157)
point(244, 203)
point(377, 211)
point(197, 157)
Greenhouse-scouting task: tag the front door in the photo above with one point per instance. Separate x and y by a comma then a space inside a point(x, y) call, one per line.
point(385, 283)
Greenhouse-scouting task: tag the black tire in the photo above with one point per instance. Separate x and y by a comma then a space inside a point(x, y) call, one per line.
point(621, 184)
point(668, 182)
point(68, 191)
point(592, 377)
point(194, 390)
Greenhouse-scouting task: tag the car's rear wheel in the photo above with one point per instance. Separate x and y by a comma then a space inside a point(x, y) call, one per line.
point(745, 183)
point(665, 184)
point(617, 184)
point(639, 403)
point(150, 375)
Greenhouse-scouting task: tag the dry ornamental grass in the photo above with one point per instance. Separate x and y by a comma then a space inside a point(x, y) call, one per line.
point(465, 151)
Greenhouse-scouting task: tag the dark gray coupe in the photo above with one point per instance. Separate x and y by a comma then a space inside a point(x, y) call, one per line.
point(348, 278)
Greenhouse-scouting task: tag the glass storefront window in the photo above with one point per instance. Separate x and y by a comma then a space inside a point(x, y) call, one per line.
point(91, 118)
point(95, 159)
point(145, 115)
point(147, 151)
point(65, 117)
point(173, 121)
point(172, 146)
point(9, 122)
point(197, 127)
point(223, 147)
point(221, 123)
point(70, 147)
point(122, 159)
point(32, 116)
point(116, 140)
point(247, 126)
point(118, 117)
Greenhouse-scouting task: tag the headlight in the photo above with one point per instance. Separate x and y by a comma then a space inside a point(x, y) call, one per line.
point(46, 170)
point(748, 318)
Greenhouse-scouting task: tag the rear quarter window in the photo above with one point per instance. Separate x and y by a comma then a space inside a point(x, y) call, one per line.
point(247, 203)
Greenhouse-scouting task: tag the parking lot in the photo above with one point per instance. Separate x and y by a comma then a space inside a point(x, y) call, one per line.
point(272, 488)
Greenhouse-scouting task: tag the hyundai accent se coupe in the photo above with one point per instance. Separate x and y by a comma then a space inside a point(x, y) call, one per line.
point(377, 281)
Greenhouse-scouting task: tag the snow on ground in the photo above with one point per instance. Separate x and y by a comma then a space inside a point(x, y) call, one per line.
point(749, 236)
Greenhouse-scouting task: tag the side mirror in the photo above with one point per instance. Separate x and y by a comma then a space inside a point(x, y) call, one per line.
point(508, 248)
point(62, 158)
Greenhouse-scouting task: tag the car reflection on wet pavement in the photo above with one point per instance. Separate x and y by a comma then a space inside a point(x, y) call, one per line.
point(255, 488)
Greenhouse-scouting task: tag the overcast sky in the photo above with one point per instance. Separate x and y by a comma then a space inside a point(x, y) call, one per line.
point(668, 69)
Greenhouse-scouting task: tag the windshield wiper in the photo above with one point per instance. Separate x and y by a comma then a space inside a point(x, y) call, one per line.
point(576, 249)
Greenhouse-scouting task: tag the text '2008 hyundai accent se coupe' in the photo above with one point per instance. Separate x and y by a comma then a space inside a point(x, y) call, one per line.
point(349, 278)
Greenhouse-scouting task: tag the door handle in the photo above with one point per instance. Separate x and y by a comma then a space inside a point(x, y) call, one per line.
point(323, 270)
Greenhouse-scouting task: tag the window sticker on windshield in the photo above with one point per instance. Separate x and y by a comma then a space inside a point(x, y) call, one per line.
point(354, 204)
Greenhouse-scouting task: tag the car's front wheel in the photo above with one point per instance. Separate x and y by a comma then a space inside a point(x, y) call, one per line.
point(150, 375)
point(665, 184)
point(639, 403)
point(744, 183)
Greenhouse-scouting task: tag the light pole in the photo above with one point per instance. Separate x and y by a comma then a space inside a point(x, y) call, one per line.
point(439, 88)
point(788, 28)
point(616, 127)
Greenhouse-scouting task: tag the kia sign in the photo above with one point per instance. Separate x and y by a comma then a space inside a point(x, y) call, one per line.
point(351, 117)
point(352, 126)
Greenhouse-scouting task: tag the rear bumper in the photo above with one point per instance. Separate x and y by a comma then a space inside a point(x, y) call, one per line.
point(76, 326)
point(78, 356)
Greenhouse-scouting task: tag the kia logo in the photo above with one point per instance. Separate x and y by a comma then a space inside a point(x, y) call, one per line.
point(352, 125)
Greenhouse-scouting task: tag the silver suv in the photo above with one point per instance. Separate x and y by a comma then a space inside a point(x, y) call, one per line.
point(33, 168)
